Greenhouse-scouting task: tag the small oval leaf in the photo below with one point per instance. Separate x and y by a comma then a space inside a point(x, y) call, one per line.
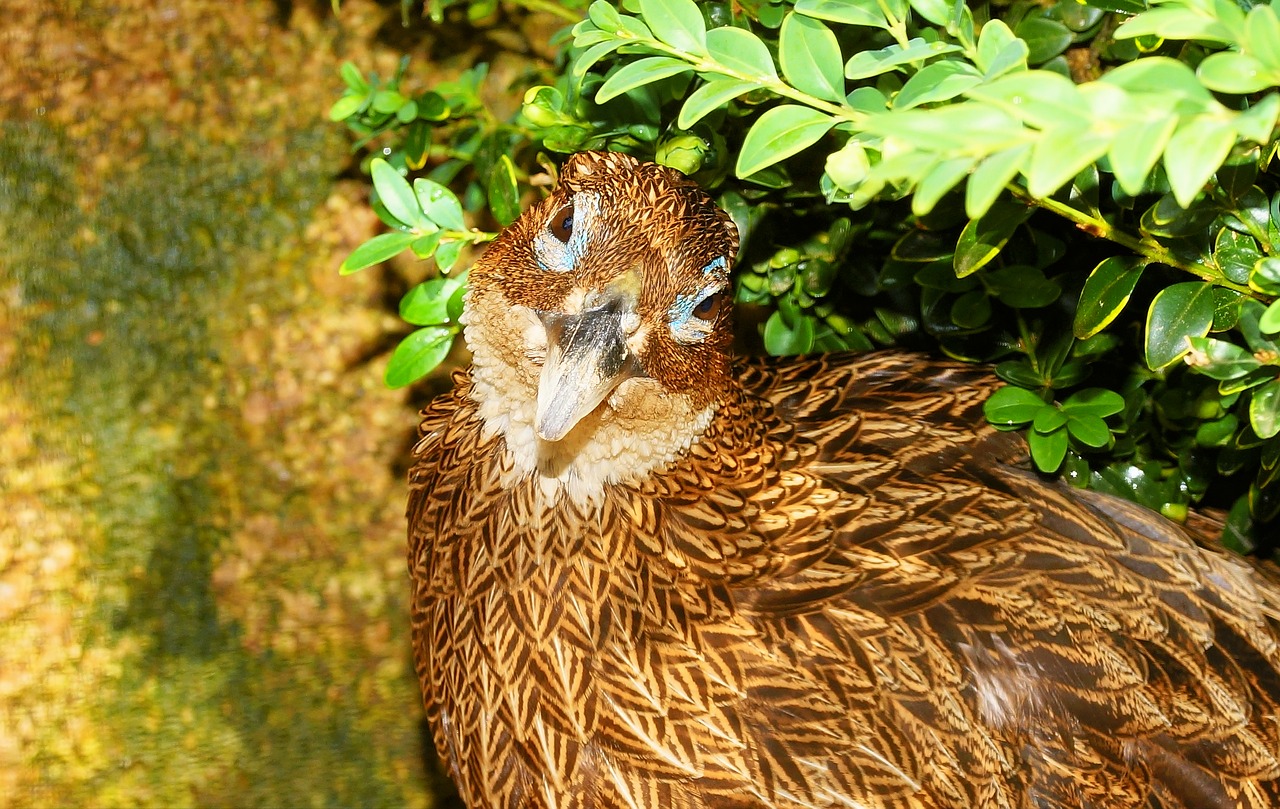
point(780, 133)
point(1178, 312)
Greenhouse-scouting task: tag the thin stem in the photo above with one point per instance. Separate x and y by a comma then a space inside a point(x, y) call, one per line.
point(546, 7)
point(1151, 250)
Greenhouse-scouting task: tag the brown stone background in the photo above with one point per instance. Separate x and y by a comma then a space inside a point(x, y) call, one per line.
point(202, 587)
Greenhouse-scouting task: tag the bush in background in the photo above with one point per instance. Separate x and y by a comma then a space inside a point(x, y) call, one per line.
point(1083, 194)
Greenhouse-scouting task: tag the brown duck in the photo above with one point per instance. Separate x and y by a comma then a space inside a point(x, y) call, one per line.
point(648, 575)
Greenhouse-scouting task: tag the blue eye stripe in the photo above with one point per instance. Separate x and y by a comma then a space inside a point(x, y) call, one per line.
point(718, 266)
point(557, 256)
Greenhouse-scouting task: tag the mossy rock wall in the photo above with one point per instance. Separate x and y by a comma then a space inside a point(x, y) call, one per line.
point(202, 583)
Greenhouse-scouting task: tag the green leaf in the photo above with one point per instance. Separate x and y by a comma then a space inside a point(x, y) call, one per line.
point(940, 81)
point(1178, 312)
point(352, 77)
point(1048, 419)
point(638, 74)
point(1264, 410)
point(1048, 449)
point(865, 64)
point(427, 304)
point(387, 101)
point(394, 193)
point(991, 176)
point(1098, 402)
point(742, 52)
point(779, 133)
point(1226, 308)
point(585, 60)
point(810, 57)
point(604, 16)
point(678, 23)
point(1089, 429)
point(376, 250)
point(983, 238)
point(1269, 323)
point(504, 193)
point(866, 13)
point(1233, 72)
point(425, 246)
point(1011, 406)
point(439, 203)
point(1236, 254)
point(972, 310)
point(1106, 292)
point(346, 106)
point(937, 12)
point(710, 97)
point(1135, 150)
point(938, 181)
point(994, 43)
point(1195, 151)
point(1219, 359)
point(781, 340)
point(1045, 38)
point(418, 355)
point(1061, 153)
point(1174, 22)
point(447, 254)
point(1265, 276)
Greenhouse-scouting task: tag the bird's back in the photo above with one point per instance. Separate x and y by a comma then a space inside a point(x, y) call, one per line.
point(850, 592)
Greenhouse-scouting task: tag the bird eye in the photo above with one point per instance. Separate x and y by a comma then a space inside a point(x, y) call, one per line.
point(562, 223)
point(709, 307)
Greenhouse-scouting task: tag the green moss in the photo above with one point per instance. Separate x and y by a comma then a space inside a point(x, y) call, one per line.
point(138, 297)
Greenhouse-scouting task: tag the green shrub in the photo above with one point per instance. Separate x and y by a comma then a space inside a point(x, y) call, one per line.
point(1084, 194)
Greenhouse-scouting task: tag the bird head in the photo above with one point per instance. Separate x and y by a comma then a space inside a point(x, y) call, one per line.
point(603, 309)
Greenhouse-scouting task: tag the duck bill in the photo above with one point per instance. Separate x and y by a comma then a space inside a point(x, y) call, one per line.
point(587, 357)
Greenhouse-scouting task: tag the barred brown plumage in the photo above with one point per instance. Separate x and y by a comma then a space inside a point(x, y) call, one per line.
point(648, 575)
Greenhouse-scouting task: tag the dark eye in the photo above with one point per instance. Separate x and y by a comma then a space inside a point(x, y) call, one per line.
point(709, 307)
point(562, 223)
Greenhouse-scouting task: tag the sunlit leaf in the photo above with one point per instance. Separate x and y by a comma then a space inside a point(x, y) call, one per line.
point(418, 355)
point(778, 134)
point(990, 177)
point(850, 12)
point(439, 203)
point(810, 57)
point(638, 74)
point(427, 304)
point(865, 64)
point(678, 23)
point(394, 193)
point(940, 81)
point(376, 250)
point(1135, 150)
point(1194, 152)
point(710, 97)
point(1269, 323)
point(742, 52)
point(346, 106)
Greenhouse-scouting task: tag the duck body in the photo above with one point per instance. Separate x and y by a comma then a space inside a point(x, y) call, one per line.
point(647, 575)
